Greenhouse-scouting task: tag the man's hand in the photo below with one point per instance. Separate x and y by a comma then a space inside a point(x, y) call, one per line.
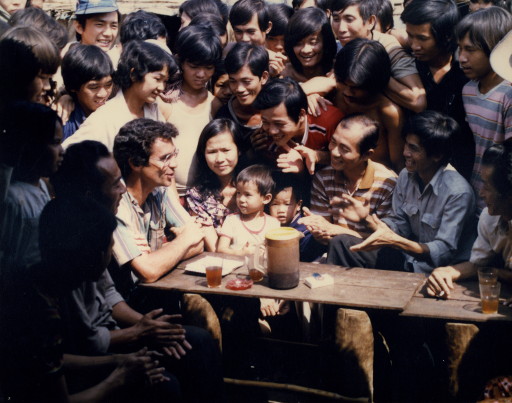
point(383, 236)
point(310, 157)
point(440, 282)
point(313, 220)
point(259, 140)
point(317, 104)
point(276, 63)
point(291, 162)
point(140, 363)
point(190, 233)
point(350, 208)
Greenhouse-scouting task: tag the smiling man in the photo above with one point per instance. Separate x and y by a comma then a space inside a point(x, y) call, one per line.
point(302, 139)
point(146, 155)
point(433, 216)
point(97, 23)
point(493, 247)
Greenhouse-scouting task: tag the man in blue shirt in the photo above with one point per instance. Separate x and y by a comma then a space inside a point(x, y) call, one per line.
point(433, 219)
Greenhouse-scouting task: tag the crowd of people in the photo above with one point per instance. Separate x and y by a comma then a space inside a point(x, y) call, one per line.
point(121, 155)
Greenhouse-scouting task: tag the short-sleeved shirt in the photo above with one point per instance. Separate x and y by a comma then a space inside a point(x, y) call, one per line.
point(490, 118)
point(442, 216)
point(87, 313)
point(235, 229)
point(402, 63)
point(19, 224)
point(493, 246)
point(141, 229)
point(207, 205)
point(446, 97)
point(376, 186)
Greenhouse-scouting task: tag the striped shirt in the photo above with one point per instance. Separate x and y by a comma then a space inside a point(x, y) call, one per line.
point(376, 186)
point(141, 229)
point(490, 118)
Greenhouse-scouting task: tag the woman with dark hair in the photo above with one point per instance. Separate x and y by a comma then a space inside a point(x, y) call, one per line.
point(309, 44)
point(213, 196)
point(198, 52)
point(192, 8)
point(214, 22)
point(142, 75)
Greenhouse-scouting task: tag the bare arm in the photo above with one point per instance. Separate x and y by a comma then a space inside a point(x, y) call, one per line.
point(149, 267)
point(408, 92)
point(393, 120)
point(440, 282)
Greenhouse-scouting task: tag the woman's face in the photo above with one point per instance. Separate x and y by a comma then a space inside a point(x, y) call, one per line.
point(195, 76)
point(39, 87)
point(310, 50)
point(221, 154)
point(152, 85)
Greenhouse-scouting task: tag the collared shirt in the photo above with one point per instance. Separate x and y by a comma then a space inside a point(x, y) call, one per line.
point(442, 216)
point(141, 229)
point(4, 15)
point(493, 246)
point(75, 120)
point(87, 313)
point(376, 186)
point(19, 224)
point(103, 124)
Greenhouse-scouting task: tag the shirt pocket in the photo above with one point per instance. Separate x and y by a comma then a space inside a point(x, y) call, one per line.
point(157, 235)
point(430, 226)
point(410, 209)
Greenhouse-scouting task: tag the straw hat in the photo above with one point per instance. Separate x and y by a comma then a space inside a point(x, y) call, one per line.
point(501, 57)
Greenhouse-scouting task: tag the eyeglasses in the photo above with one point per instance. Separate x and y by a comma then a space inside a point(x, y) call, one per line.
point(166, 160)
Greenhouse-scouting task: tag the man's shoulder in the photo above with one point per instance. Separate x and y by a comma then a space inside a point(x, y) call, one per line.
point(382, 172)
point(453, 182)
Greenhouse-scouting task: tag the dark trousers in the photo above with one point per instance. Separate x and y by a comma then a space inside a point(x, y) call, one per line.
point(383, 258)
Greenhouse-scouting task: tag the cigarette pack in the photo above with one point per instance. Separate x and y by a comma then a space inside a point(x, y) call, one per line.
point(318, 280)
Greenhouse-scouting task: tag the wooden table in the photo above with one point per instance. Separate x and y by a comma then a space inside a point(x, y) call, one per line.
point(463, 305)
point(353, 287)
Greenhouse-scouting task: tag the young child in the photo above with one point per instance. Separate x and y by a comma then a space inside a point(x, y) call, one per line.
point(286, 206)
point(240, 232)
point(487, 97)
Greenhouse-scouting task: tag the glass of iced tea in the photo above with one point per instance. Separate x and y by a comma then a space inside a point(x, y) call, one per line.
point(487, 275)
point(213, 276)
point(490, 295)
point(256, 263)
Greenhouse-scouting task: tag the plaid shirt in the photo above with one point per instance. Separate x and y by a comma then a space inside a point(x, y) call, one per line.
point(376, 186)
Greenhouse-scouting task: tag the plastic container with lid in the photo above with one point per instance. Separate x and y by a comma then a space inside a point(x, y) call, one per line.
point(283, 257)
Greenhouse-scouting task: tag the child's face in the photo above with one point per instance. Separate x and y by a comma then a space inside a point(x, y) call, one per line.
point(196, 76)
point(94, 93)
point(221, 88)
point(248, 198)
point(473, 61)
point(284, 206)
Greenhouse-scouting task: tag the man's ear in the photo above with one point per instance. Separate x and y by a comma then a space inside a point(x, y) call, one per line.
point(131, 75)
point(302, 115)
point(264, 77)
point(78, 28)
point(267, 198)
point(368, 154)
point(269, 28)
point(133, 167)
point(372, 21)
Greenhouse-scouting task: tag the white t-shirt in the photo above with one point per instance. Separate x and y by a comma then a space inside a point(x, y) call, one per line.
point(235, 229)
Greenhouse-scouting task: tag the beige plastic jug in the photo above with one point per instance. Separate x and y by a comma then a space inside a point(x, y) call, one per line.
point(283, 257)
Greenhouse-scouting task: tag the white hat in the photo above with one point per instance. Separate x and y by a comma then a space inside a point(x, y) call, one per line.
point(501, 57)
